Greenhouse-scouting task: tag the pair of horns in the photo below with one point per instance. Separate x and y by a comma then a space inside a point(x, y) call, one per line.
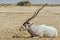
point(36, 12)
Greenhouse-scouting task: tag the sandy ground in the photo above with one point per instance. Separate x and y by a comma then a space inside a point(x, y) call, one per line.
point(10, 22)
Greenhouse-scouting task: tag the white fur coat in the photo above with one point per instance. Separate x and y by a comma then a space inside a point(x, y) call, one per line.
point(45, 30)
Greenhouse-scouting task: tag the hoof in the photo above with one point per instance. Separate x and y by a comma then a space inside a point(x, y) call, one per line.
point(15, 36)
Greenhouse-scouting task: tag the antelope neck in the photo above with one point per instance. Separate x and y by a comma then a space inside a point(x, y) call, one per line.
point(31, 32)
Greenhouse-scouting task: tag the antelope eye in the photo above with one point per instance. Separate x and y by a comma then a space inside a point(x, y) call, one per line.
point(24, 25)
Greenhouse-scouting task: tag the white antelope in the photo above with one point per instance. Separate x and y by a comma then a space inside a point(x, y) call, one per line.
point(39, 31)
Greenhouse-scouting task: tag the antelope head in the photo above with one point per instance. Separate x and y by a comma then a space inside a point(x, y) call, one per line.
point(27, 24)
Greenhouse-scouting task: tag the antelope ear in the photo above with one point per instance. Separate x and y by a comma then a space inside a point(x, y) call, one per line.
point(31, 24)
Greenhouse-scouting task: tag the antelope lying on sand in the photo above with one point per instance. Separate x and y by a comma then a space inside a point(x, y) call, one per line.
point(39, 31)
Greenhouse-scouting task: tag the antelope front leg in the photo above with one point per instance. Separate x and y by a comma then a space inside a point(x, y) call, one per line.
point(33, 37)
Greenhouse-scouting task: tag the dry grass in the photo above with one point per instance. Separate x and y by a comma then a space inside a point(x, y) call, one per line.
point(10, 22)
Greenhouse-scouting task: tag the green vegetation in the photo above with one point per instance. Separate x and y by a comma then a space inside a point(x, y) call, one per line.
point(24, 3)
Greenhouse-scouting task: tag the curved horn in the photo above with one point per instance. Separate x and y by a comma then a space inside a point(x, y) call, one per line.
point(36, 12)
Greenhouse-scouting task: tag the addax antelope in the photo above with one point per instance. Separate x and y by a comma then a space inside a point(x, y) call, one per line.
point(39, 31)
